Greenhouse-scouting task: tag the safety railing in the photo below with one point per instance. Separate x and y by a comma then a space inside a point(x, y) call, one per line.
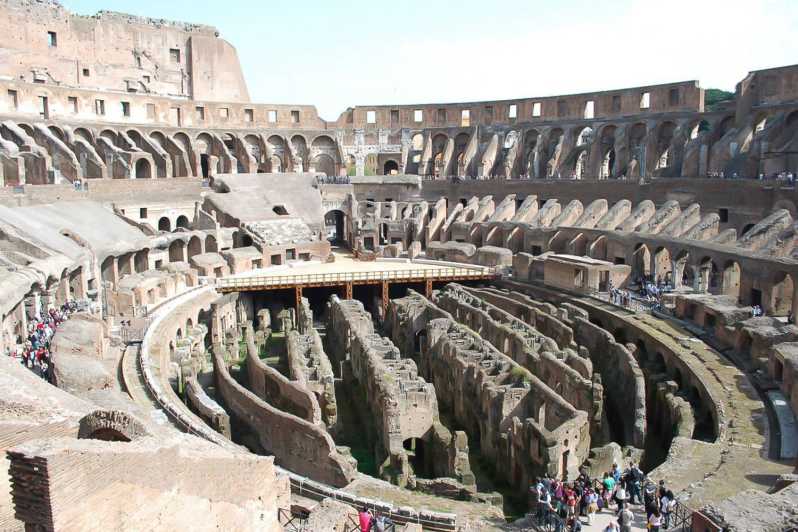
point(269, 281)
point(291, 520)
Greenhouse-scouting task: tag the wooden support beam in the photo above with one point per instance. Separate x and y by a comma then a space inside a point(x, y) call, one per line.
point(385, 297)
point(298, 297)
point(428, 288)
point(348, 291)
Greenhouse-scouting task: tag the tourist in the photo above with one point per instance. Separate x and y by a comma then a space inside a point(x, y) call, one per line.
point(592, 505)
point(381, 523)
point(609, 487)
point(365, 517)
point(612, 526)
point(570, 500)
point(650, 499)
point(666, 505)
point(625, 519)
point(620, 496)
point(634, 481)
point(655, 521)
point(575, 525)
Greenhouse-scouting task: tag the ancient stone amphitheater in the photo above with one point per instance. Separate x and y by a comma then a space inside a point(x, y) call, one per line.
point(276, 320)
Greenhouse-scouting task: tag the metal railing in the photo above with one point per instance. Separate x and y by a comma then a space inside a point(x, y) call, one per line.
point(268, 281)
point(292, 521)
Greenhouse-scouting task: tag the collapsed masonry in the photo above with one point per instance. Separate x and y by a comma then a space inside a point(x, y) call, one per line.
point(410, 442)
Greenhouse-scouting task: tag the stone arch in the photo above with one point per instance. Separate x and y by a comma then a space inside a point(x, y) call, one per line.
point(299, 147)
point(661, 267)
point(177, 251)
point(254, 146)
point(111, 425)
point(709, 276)
point(439, 142)
point(27, 128)
point(598, 248)
point(85, 134)
point(194, 246)
point(164, 224)
point(324, 164)
point(529, 164)
point(390, 167)
point(683, 274)
point(58, 133)
point(182, 222)
point(664, 157)
point(554, 145)
point(641, 261)
point(607, 152)
point(143, 169)
point(210, 244)
point(335, 223)
point(276, 146)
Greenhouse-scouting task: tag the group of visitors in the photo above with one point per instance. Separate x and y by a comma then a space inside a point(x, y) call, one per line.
point(756, 311)
point(369, 523)
point(34, 351)
point(779, 176)
point(332, 180)
point(563, 504)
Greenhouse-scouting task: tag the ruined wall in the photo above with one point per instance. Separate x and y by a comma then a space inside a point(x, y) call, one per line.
point(297, 445)
point(309, 365)
point(277, 390)
point(70, 484)
point(530, 349)
point(511, 415)
point(207, 409)
point(403, 405)
point(117, 52)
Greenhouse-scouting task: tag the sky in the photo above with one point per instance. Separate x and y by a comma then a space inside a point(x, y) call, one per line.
point(340, 53)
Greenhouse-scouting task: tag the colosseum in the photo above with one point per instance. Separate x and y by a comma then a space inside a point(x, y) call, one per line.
point(496, 315)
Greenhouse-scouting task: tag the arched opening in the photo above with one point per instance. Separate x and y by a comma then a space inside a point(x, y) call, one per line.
point(300, 148)
point(684, 273)
point(143, 169)
point(211, 245)
point(241, 240)
point(324, 164)
point(598, 249)
point(194, 247)
point(731, 279)
point(390, 167)
point(580, 169)
point(662, 268)
point(164, 224)
point(641, 262)
point(182, 222)
point(205, 165)
point(177, 251)
point(416, 455)
point(781, 295)
point(334, 222)
point(709, 280)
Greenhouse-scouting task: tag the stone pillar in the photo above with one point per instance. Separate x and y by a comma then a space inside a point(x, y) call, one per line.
point(794, 308)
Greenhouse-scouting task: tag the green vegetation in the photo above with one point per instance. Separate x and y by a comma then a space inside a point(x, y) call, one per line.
point(714, 97)
point(520, 374)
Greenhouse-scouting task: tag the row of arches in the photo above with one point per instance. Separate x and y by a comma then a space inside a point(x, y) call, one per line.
point(581, 151)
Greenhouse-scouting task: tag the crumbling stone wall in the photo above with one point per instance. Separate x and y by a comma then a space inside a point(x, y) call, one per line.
point(207, 409)
point(309, 365)
point(530, 349)
point(517, 421)
point(402, 404)
point(70, 484)
point(297, 445)
point(274, 388)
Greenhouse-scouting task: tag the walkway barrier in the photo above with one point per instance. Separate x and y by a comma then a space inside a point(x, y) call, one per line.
point(324, 279)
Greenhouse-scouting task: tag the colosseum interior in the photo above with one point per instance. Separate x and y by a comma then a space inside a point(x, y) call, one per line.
point(275, 321)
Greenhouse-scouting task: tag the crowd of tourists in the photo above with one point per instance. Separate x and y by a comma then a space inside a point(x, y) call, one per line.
point(775, 176)
point(562, 505)
point(649, 294)
point(33, 351)
point(332, 180)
